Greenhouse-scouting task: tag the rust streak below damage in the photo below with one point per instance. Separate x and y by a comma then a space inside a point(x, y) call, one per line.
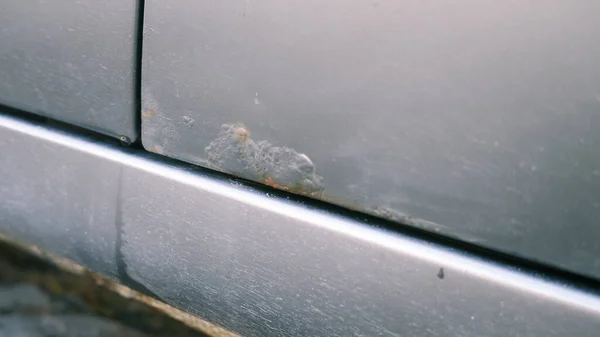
point(234, 151)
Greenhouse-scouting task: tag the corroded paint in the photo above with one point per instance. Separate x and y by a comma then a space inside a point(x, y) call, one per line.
point(235, 152)
point(148, 113)
point(156, 149)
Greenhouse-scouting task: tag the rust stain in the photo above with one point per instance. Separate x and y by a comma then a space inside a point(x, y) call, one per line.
point(156, 149)
point(273, 183)
point(146, 114)
point(280, 167)
point(234, 151)
point(241, 133)
point(299, 188)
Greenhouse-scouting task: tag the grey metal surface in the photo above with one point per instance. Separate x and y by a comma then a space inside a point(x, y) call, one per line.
point(260, 265)
point(71, 60)
point(478, 119)
point(63, 202)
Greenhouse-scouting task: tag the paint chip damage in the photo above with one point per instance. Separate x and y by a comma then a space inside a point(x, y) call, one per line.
point(234, 151)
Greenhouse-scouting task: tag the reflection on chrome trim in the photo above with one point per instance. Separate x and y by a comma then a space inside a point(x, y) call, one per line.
point(257, 264)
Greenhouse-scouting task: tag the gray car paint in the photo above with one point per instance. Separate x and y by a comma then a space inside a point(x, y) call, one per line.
point(476, 119)
point(258, 264)
point(74, 61)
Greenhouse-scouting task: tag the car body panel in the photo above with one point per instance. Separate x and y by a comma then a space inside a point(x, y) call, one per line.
point(74, 61)
point(475, 119)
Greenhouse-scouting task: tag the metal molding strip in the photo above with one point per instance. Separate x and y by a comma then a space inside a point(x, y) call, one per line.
point(258, 264)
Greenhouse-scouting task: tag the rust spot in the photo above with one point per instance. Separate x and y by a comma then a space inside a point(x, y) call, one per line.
point(271, 182)
point(241, 133)
point(156, 149)
point(235, 152)
point(146, 114)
